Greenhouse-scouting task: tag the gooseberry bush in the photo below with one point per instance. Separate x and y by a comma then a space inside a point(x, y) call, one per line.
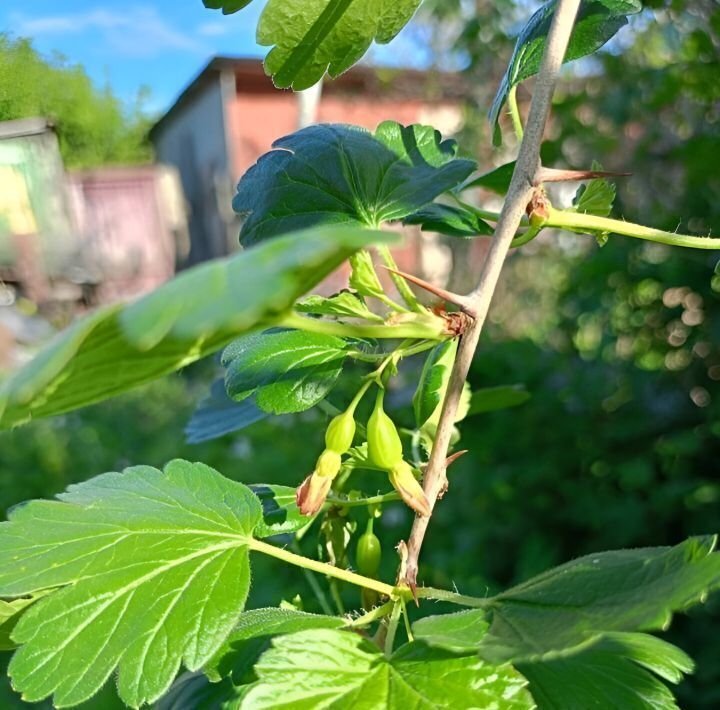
point(144, 574)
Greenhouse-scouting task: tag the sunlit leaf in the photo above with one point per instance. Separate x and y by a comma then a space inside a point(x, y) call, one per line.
point(195, 314)
point(336, 669)
point(338, 174)
point(152, 570)
point(433, 381)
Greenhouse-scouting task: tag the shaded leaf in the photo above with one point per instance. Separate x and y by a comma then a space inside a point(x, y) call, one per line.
point(433, 381)
point(228, 7)
point(337, 174)
point(194, 690)
point(567, 607)
point(341, 304)
point(217, 415)
point(490, 399)
point(617, 672)
point(195, 314)
point(153, 572)
point(336, 669)
point(496, 180)
point(284, 370)
point(252, 635)
point(451, 220)
point(280, 513)
point(597, 21)
point(10, 611)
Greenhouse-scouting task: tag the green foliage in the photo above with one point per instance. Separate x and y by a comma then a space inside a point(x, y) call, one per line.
point(285, 371)
point(335, 174)
point(9, 614)
point(280, 513)
point(192, 316)
point(150, 569)
point(490, 399)
point(339, 669)
point(252, 635)
point(433, 381)
point(625, 590)
point(595, 197)
point(450, 220)
point(460, 631)
point(597, 21)
point(326, 35)
point(92, 125)
point(619, 672)
point(345, 304)
point(496, 180)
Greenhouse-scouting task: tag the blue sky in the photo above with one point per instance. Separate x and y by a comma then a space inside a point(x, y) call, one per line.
point(161, 44)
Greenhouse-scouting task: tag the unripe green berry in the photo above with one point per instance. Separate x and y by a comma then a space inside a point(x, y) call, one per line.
point(368, 553)
point(383, 440)
point(340, 432)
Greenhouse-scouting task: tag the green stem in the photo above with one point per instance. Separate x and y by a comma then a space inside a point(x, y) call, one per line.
point(392, 305)
point(578, 221)
point(419, 330)
point(483, 214)
point(515, 113)
point(392, 627)
point(360, 502)
point(315, 586)
point(406, 619)
point(379, 612)
point(321, 567)
point(443, 595)
point(400, 284)
point(335, 593)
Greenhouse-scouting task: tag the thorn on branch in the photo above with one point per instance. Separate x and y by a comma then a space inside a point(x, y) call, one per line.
point(555, 175)
point(462, 302)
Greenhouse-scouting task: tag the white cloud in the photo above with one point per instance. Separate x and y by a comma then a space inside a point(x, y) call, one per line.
point(213, 29)
point(132, 32)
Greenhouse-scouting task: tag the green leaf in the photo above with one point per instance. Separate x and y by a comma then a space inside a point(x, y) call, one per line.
point(195, 314)
point(228, 7)
point(490, 399)
point(568, 607)
point(434, 380)
point(450, 220)
point(337, 174)
point(194, 690)
point(335, 669)
point(595, 197)
point(345, 304)
point(217, 415)
point(496, 180)
point(363, 277)
point(252, 635)
point(280, 513)
point(615, 673)
point(311, 37)
point(153, 573)
point(286, 371)
point(597, 21)
point(460, 631)
point(10, 611)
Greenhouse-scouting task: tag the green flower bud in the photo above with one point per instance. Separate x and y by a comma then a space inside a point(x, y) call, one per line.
point(410, 490)
point(383, 440)
point(340, 432)
point(328, 464)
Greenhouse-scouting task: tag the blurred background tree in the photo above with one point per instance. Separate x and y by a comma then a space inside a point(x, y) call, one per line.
point(93, 126)
point(619, 345)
